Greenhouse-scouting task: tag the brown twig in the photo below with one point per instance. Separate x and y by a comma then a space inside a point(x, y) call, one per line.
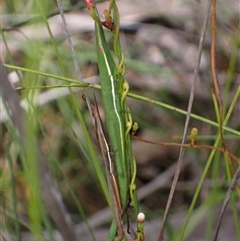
point(229, 154)
point(110, 172)
point(217, 91)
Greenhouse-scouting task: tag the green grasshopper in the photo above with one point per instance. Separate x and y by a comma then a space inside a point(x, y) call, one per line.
point(113, 114)
point(118, 119)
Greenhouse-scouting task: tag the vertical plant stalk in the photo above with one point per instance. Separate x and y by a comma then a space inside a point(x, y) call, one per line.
point(76, 65)
point(190, 103)
point(213, 55)
point(217, 91)
point(224, 206)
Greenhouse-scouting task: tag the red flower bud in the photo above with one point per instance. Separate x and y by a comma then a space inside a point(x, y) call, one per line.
point(89, 2)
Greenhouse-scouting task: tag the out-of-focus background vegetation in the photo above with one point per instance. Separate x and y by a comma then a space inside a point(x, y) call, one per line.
point(160, 41)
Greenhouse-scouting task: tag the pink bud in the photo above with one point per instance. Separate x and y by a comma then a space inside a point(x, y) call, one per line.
point(89, 2)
